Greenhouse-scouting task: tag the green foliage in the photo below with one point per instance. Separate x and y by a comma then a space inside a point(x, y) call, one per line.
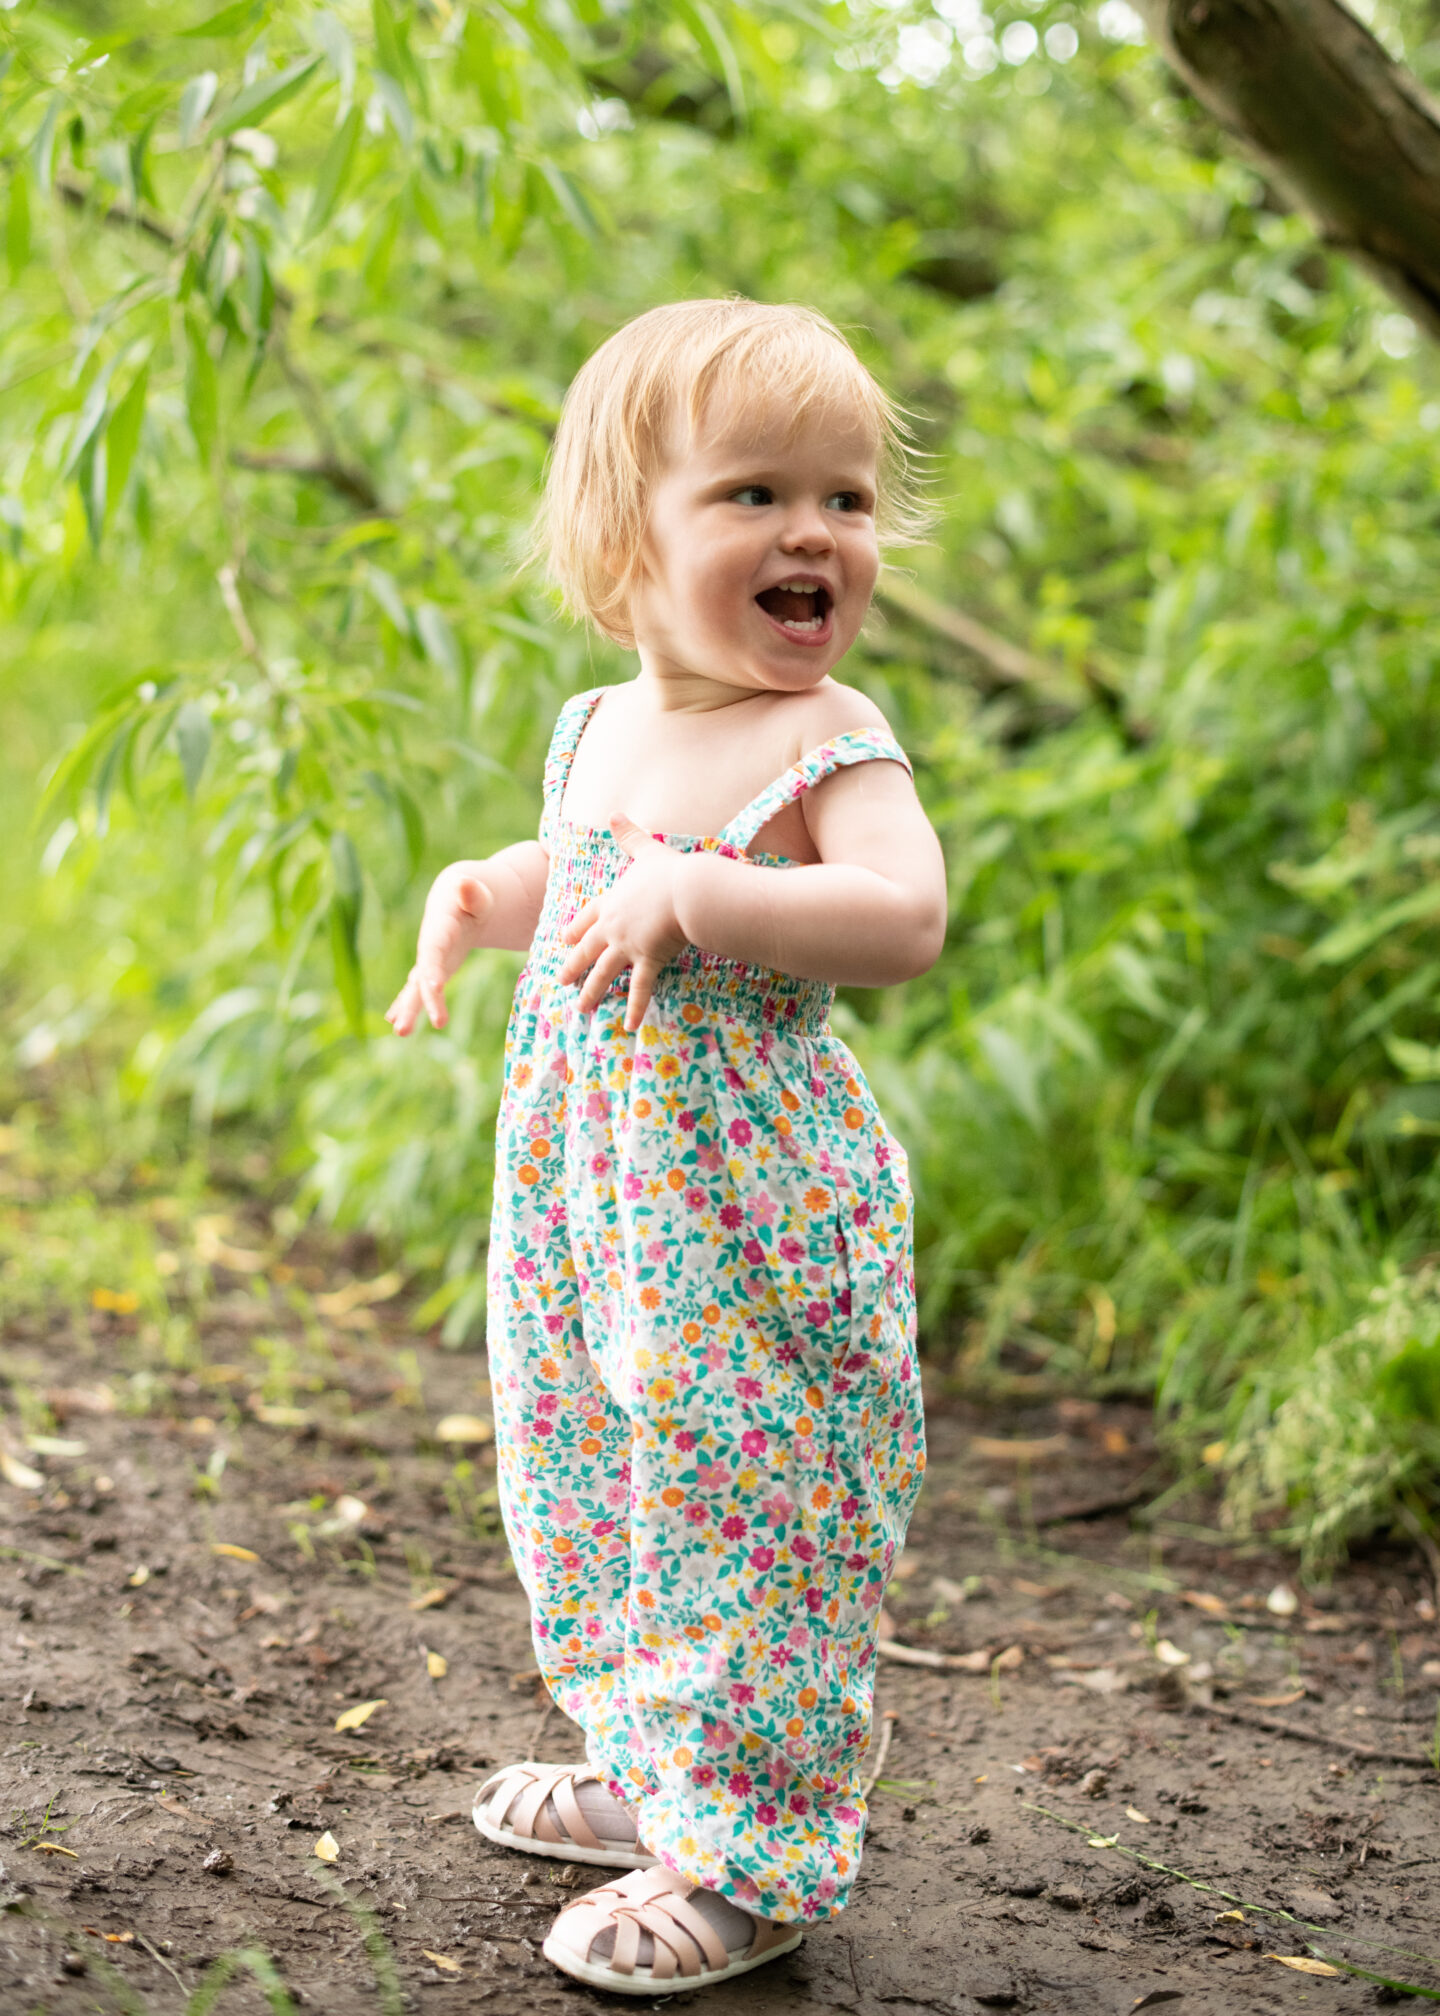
point(294, 297)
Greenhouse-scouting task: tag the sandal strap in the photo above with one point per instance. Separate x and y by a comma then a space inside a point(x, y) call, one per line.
point(653, 1901)
point(518, 1803)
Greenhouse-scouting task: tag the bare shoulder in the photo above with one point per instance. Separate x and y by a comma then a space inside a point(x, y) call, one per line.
point(833, 709)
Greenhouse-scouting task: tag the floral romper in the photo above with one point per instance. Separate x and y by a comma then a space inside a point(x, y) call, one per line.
point(707, 1399)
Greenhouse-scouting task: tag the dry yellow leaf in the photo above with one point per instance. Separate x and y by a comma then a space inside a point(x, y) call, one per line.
point(1204, 1599)
point(123, 1304)
point(465, 1428)
point(431, 1600)
point(1303, 1966)
point(53, 1848)
point(1171, 1655)
point(996, 1450)
point(442, 1960)
point(19, 1474)
point(55, 1445)
point(1213, 1454)
point(138, 1578)
point(1140, 1819)
point(1230, 1918)
point(327, 1847)
point(359, 1715)
point(436, 1665)
point(232, 1552)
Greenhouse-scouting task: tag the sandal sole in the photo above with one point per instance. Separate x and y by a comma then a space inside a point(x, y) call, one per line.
point(596, 1974)
point(563, 1851)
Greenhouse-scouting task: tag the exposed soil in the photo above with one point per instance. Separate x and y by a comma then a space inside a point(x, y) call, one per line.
point(171, 1709)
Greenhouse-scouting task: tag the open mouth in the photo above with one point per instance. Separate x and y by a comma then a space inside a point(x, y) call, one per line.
point(802, 607)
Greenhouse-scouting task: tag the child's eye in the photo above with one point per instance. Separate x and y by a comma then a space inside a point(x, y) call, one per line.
point(844, 500)
point(753, 493)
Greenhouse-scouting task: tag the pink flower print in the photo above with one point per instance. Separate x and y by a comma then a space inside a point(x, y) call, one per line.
point(842, 1308)
point(714, 1355)
point(817, 1314)
point(592, 1627)
point(616, 1494)
point(712, 1476)
point(734, 1528)
point(815, 1274)
point(686, 1439)
point(777, 1509)
point(762, 1558)
point(791, 1251)
point(525, 1270)
point(603, 1528)
point(657, 1249)
point(695, 1198)
point(748, 1389)
point(547, 1403)
point(753, 1441)
point(709, 1157)
point(554, 1324)
point(540, 1426)
point(870, 1599)
point(703, 1774)
point(799, 1803)
point(733, 1079)
point(767, 1814)
point(740, 1132)
point(742, 1695)
point(596, 1106)
point(565, 1510)
point(849, 1506)
point(813, 1600)
point(730, 1216)
point(802, 1549)
point(754, 1252)
point(855, 1564)
point(741, 1783)
point(861, 1214)
point(685, 1122)
point(762, 1208)
point(695, 1514)
point(633, 1186)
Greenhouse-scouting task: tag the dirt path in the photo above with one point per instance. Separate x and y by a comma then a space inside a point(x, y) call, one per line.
point(170, 1706)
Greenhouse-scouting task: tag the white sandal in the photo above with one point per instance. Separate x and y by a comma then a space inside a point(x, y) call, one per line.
point(689, 1953)
point(510, 1808)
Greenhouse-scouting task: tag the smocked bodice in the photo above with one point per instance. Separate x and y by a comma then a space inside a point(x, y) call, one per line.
point(586, 860)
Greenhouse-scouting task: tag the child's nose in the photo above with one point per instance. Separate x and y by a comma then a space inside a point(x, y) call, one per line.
point(806, 530)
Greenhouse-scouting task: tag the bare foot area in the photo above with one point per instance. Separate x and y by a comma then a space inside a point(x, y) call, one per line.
point(1129, 1767)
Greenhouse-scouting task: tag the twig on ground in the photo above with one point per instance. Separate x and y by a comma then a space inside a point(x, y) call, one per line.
point(141, 1940)
point(1275, 1725)
point(888, 1721)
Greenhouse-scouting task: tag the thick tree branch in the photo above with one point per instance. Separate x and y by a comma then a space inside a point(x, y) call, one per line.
point(1348, 132)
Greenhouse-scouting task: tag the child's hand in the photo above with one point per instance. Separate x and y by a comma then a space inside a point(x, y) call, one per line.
point(632, 924)
point(457, 905)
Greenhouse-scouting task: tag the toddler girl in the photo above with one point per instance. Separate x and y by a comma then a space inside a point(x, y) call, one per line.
point(701, 1319)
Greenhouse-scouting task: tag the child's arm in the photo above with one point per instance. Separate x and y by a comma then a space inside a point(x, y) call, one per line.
point(495, 902)
point(871, 912)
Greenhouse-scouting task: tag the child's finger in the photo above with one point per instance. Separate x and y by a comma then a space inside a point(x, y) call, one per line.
point(401, 1012)
point(642, 987)
point(609, 966)
point(583, 955)
point(432, 993)
point(581, 922)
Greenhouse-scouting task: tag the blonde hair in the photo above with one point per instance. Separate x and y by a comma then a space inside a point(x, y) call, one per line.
point(670, 363)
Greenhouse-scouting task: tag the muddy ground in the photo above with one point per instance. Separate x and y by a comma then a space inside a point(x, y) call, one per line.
point(170, 1757)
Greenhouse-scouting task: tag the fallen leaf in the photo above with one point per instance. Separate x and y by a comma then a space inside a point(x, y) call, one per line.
point(63, 1400)
point(1171, 1655)
point(1103, 1841)
point(138, 1577)
point(20, 1474)
point(1156, 1997)
point(432, 1599)
point(969, 1662)
point(120, 1938)
point(1140, 1819)
point(359, 1294)
point(1009, 1659)
point(54, 1445)
point(1303, 1966)
point(1203, 1599)
point(1230, 1918)
point(1104, 1680)
point(1041, 1589)
point(436, 1665)
point(1116, 1442)
point(121, 1303)
point(232, 1552)
point(465, 1428)
point(53, 1848)
point(173, 1805)
point(1274, 1700)
point(442, 1960)
point(1282, 1602)
point(327, 1847)
point(278, 1417)
point(359, 1715)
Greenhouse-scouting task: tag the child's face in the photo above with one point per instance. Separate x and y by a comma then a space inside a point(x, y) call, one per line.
point(761, 554)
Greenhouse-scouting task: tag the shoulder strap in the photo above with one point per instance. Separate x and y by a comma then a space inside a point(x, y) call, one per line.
point(857, 745)
point(565, 739)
